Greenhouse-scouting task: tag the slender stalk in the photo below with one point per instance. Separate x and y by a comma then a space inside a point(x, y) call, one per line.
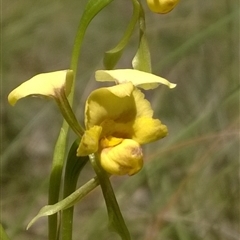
point(55, 179)
point(74, 166)
point(116, 221)
point(59, 152)
point(68, 113)
point(92, 8)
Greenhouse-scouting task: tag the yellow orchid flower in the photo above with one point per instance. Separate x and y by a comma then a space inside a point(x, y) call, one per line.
point(162, 6)
point(45, 84)
point(118, 121)
point(138, 78)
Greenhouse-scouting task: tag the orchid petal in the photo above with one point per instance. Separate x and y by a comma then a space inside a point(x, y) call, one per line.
point(138, 78)
point(121, 104)
point(45, 84)
point(116, 103)
point(148, 130)
point(125, 158)
point(90, 141)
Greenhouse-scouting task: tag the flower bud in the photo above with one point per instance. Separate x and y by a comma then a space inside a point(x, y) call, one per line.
point(162, 6)
point(124, 158)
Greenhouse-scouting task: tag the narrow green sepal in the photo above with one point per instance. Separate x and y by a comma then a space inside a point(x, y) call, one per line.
point(142, 59)
point(112, 56)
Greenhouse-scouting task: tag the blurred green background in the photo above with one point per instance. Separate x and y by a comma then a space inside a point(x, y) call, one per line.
point(189, 186)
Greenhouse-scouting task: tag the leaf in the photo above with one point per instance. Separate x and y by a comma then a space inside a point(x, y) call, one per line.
point(67, 202)
point(73, 167)
point(142, 59)
point(56, 176)
point(138, 78)
point(112, 56)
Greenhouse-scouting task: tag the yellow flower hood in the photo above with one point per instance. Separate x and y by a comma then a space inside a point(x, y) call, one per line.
point(114, 114)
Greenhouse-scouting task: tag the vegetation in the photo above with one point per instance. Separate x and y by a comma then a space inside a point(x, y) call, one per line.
point(189, 186)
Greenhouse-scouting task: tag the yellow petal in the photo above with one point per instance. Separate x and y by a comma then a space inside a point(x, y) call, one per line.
point(89, 142)
point(143, 106)
point(115, 103)
point(138, 78)
point(125, 158)
point(117, 129)
point(162, 6)
point(148, 130)
point(122, 127)
point(116, 114)
point(45, 84)
point(110, 141)
point(123, 90)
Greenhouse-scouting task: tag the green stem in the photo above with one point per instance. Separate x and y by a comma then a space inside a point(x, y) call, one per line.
point(59, 152)
point(73, 168)
point(91, 9)
point(116, 221)
point(58, 158)
point(68, 113)
point(55, 179)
